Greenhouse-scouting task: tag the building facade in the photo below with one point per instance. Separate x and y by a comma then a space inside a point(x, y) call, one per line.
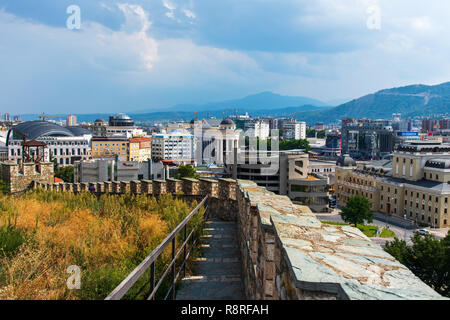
point(176, 146)
point(415, 185)
point(294, 130)
point(285, 173)
point(65, 145)
point(140, 149)
point(257, 129)
point(367, 139)
point(110, 147)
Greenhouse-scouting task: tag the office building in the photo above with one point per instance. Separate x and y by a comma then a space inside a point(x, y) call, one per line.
point(367, 139)
point(414, 185)
point(285, 173)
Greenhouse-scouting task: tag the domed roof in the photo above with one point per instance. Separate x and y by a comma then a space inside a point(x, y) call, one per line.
point(227, 121)
point(346, 161)
point(36, 129)
point(100, 120)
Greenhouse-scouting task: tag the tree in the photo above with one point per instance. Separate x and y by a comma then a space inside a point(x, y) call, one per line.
point(357, 210)
point(64, 173)
point(428, 259)
point(187, 171)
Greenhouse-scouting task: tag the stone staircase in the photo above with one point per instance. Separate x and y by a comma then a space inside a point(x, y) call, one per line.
point(218, 272)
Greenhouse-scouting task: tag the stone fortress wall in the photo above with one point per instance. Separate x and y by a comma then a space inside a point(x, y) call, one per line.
point(286, 252)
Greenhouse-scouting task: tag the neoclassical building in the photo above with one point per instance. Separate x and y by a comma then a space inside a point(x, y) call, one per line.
point(414, 185)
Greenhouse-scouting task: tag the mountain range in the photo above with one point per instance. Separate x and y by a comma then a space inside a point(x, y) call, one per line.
point(410, 101)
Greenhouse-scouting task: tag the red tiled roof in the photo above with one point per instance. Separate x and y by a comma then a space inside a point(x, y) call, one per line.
point(57, 180)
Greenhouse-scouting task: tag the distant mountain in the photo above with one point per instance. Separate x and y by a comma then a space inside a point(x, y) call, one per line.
point(263, 100)
point(410, 101)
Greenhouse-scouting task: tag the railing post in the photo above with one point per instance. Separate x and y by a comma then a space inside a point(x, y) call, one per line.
point(184, 250)
point(152, 278)
point(173, 267)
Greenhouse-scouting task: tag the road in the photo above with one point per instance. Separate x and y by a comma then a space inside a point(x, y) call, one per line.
point(402, 233)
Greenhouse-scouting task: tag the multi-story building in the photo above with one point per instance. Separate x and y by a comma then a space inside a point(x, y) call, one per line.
point(415, 185)
point(140, 149)
point(176, 146)
point(110, 147)
point(71, 120)
point(444, 124)
point(367, 139)
point(65, 145)
point(257, 129)
point(285, 173)
point(294, 130)
point(429, 125)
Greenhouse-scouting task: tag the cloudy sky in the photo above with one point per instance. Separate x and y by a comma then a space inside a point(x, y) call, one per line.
point(151, 54)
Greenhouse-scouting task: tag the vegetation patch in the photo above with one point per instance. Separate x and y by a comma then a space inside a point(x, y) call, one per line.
point(44, 232)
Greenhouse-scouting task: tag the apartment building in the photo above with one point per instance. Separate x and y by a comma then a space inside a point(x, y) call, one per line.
point(414, 185)
point(110, 147)
point(294, 130)
point(176, 146)
point(257, 129)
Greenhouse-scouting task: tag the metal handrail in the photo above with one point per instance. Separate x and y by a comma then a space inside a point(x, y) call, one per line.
point(149, 261)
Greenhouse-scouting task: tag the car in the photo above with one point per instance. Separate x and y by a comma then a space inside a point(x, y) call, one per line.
point(423, 232)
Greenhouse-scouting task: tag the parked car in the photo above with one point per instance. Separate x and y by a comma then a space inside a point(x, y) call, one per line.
point(423, 232)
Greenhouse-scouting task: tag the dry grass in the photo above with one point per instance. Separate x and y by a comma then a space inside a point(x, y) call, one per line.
point(44, 232)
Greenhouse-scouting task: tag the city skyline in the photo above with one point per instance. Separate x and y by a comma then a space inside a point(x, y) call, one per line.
point(155, 54)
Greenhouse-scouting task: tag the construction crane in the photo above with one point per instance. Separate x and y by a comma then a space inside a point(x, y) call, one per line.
point(44, 116)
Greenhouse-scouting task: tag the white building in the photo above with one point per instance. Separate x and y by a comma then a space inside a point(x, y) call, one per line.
point(177, 146)
point(257, 129)
point(65, 144)
point(294, 130)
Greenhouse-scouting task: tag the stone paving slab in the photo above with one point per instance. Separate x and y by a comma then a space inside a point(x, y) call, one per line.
point(218, 271)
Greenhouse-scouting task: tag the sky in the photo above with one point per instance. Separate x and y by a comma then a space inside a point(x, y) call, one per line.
point(152, 54)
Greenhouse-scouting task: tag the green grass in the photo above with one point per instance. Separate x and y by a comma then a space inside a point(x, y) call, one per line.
point(369, 231)
point(10, 240)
